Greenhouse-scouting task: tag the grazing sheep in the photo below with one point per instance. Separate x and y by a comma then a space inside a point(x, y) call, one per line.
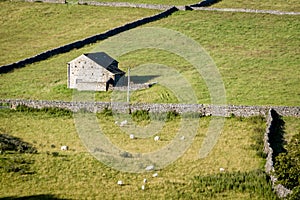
point(150, 167)
point(120, 182)
point(182, 138)
point(132, 136)
point(222, 169)
point(155, 175)
point(64, 148)
point(145, 180)
point(143, 187)
point(156, 138)
point(123, 123)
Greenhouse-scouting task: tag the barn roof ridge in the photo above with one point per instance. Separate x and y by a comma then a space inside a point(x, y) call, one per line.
point(103, 59)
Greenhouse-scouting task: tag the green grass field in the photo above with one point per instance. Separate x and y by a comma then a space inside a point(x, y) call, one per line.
point(75, 173)
point(165, 2)
point(282, 5)
point(28, 29)
point(256, 54)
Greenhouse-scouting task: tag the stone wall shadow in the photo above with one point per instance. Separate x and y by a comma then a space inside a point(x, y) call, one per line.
point(276, 134)
point(33, 197)
point(205, 3)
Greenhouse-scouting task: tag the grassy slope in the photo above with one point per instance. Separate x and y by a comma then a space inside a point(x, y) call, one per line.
point(27, 29)
point(256, 54)
point(282, 5)
point(163, 2)
point(76, 173)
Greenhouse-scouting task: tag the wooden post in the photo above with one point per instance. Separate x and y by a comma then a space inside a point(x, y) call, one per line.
point(128, 90)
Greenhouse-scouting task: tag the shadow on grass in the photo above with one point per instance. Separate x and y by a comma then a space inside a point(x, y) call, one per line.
point(40, 196)
point(136, 79)
point(277, 132)
point(11, 143)
point(205, 3)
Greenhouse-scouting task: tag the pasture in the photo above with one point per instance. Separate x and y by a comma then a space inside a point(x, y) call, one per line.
point(256, 54)
point(75, 173)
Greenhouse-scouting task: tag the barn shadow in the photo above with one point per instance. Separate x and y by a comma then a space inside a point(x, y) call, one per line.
point(136, 79)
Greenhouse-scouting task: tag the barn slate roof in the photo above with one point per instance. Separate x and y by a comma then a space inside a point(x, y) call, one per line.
point(104, 60)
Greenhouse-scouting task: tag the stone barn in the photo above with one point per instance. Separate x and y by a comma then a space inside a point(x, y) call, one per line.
point(93, 71)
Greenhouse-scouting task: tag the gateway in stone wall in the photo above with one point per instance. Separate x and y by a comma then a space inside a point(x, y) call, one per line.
point(93, 71)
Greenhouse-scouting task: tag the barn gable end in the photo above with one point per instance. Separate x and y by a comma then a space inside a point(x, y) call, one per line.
point(93, 71)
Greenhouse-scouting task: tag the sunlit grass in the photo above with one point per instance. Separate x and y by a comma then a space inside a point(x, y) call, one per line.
point(281, 5)
point(27, 29)
point(75, 173)
point(256, 54)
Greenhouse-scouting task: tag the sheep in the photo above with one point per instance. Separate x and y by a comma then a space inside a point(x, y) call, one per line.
point(155, 175)
point(182, 138)
point(123, 123)
point(143, 187)
point(150, 167)
point(156, 138)
point(120, 182)
point(132, 136)
point(64, 148)
point(222, 169)
point(145, 180)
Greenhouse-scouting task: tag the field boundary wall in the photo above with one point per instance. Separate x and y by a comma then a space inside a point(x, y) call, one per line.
point(203, 109)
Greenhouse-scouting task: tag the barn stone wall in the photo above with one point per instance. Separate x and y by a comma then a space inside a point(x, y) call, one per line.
point(203, 109)
point(85, 74)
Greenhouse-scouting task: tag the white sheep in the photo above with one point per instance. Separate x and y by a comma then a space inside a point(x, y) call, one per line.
point(182, 138)
point(143, 187)
point(145, 180)
point(120, 182)
point(155, 175)
point(150, 167)
point(156, 138)
point(132, 136)
point(64, 148)
point(222, 169)
point(123, 123)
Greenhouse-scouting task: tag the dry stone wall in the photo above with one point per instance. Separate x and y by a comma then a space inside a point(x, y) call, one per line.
point(272, 117)
point(203, 109)
point(48, 1)
point(125, 4)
